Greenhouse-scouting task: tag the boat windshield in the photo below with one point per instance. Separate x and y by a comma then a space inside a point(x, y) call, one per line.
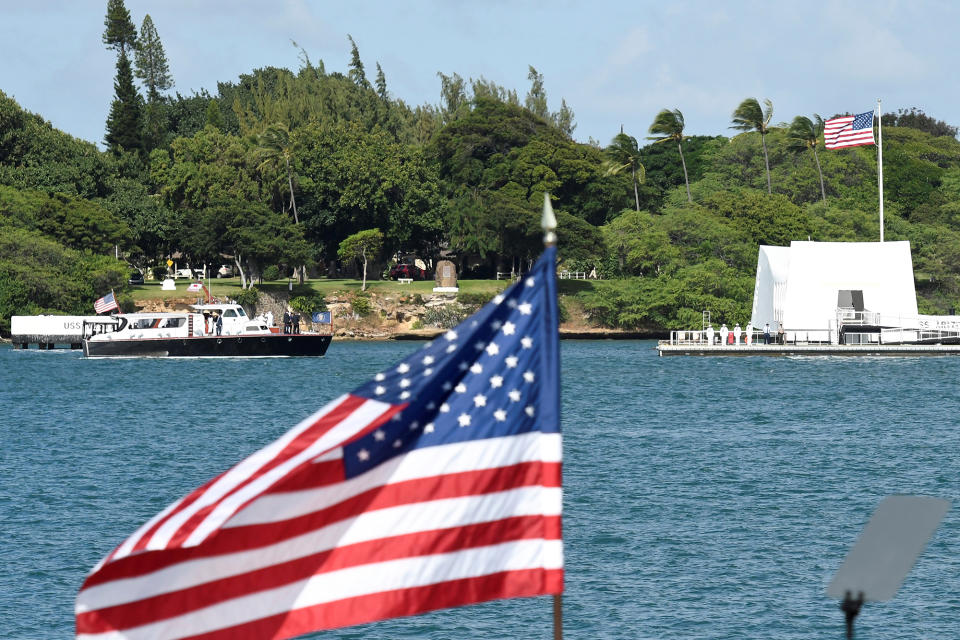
point(158, 323)
point(241, 312)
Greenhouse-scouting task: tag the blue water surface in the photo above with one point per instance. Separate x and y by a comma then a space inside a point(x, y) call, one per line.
point(703, 497)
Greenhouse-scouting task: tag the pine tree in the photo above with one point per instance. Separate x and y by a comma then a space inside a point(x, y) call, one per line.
point(120, 32)
point(151, 61)
point(123, 123)
point(214, 115)
point(381, 83)
point(356, 73)
point(536, 101)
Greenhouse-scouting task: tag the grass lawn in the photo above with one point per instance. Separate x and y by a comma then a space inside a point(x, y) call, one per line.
point(229, 287)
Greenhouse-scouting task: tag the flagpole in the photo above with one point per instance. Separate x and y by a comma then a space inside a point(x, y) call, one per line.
point(549, 224)
point(880, 162)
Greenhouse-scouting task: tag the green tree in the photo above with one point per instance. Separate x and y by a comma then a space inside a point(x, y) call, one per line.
point(214, 115)
point(276, 150)
point(623, 153)
point(357, 73)
point(453, 96)
point(804, 134)
point(668, 126)
point(750, 117)
point(123, 122)
point(120, 33)
point(276, 146)
point(364, 245)
point(382, 84)
point(536, 100)
point(151, 61)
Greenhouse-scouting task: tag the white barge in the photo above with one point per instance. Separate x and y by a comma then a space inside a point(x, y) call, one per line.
point(49, 332)
point(829, 298)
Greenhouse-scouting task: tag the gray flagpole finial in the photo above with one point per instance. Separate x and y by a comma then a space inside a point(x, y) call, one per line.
point(548, 222)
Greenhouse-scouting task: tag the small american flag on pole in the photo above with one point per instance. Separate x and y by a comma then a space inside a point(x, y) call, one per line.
point(106, 303)
point(436, 484)
point(849, 131)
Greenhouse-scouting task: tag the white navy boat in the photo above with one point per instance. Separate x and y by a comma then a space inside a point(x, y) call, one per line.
point(195, 334)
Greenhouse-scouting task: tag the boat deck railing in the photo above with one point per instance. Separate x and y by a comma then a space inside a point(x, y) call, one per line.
point(798, 336)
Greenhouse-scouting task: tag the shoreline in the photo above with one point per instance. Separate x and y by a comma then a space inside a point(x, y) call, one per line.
point(565, 334)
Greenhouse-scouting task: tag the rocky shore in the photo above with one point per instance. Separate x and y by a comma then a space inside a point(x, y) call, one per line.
point(399, 317)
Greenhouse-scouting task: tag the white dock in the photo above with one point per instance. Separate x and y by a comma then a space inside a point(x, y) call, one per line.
point(49, 331)
point(665, 348)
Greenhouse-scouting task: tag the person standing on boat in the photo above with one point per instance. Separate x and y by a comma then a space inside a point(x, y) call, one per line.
point(766, 333)
point(724, 332)
point(748, 338)
point(218, 322)
point(780, 339)
point(286, 321)
point(709, 334)
point(296, 322)
point(737, 332)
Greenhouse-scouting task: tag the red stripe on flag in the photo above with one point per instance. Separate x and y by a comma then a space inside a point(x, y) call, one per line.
point(235, 539)
point(180, 602)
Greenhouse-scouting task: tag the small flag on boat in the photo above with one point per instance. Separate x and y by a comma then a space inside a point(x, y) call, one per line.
point(849, 131)
point(321, 317)
point(436, 484)
point(195, 286)
point(106, 303)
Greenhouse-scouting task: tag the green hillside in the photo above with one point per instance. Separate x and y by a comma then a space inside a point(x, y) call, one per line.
point(279, 167)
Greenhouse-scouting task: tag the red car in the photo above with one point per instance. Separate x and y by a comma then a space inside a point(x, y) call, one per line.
point(411, 271)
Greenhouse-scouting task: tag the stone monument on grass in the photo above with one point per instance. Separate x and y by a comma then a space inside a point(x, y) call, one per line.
point(445, 277)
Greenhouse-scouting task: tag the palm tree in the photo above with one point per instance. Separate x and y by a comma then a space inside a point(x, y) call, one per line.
point(804, 134)
point(750, 117)
point(276, 146)
point(624, 152)
point(668, 125)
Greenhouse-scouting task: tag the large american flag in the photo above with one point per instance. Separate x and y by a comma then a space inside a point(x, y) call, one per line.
point(849, 131)
point(436, 484)
point(106, 303)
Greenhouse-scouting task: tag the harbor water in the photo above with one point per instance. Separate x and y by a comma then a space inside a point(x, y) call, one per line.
point(704, 497)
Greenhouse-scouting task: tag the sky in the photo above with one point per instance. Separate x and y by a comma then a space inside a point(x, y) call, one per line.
point(614, 62)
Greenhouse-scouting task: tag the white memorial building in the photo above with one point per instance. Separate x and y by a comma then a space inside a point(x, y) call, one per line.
point(812, 288)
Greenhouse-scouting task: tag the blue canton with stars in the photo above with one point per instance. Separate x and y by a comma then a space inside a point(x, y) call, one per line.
point(496, 374)
point(862, 121)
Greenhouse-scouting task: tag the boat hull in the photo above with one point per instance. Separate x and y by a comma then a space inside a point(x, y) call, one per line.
point(248, 346)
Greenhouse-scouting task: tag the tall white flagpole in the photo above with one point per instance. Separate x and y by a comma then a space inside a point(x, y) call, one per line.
point(880, 162)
